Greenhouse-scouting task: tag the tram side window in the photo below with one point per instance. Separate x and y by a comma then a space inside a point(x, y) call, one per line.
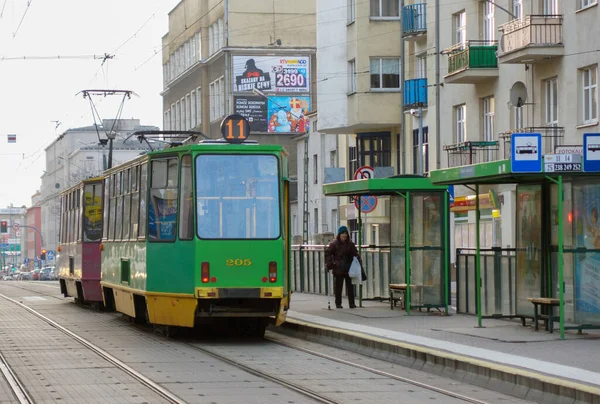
point(61, 230)
point(112, 208)
point(126, 203)
point(106, 207)
point(162, 206)
point(143, 190)
point(119, 212)
point(92, 213)
point(70, 224)
point(186, 214)
point(135, 200)
point(78, 215)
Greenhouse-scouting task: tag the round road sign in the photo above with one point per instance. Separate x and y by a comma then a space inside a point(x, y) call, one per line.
point(364, 172)
point(16, 226)
point(368, 203)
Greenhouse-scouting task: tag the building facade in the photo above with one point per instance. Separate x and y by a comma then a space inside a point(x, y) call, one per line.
point(75, 155)
point(12, 244)
point(255, 58)
point(33, 245)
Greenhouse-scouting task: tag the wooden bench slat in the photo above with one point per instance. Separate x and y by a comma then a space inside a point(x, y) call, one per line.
point(543, 300)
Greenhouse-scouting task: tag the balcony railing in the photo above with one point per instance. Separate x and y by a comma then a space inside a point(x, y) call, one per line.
point(472, 55)
point(467, 153)
point(533, 30)
point(414, 19)
point(415, 93)
point(552, 136)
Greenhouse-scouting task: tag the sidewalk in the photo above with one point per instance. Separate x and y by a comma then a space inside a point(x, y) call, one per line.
point(502, 342)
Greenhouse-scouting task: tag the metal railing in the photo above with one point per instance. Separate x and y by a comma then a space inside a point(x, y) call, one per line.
point(532, 30)
point(498, 274)
point(467, 153)
point(472, 55)
point(414, 19)
point(310, 276)
point(551, 138)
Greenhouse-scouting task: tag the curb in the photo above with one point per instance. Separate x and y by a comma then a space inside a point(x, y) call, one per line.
point(513, 381)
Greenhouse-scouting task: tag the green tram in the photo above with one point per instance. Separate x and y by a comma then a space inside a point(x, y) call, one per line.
point(199, 233)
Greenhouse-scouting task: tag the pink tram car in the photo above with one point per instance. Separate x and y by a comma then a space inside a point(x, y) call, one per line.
point(78, 258)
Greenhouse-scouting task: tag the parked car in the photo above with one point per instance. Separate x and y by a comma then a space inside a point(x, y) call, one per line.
point(47, 274)
point(35, 274)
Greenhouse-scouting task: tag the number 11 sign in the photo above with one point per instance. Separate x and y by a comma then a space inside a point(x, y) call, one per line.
point(235, 129)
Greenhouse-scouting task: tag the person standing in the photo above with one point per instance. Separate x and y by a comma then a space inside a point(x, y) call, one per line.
point(338, 258)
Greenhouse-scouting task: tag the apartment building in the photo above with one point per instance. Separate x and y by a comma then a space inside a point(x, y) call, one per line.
point(254, 58)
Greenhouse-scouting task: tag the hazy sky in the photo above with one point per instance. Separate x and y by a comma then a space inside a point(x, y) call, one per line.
point(34, 92)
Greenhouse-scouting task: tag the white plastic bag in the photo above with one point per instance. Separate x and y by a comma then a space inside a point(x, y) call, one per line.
point(355, 270)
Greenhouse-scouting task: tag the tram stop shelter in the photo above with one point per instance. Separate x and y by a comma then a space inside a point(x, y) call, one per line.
point(557, 250)
point(419, 237)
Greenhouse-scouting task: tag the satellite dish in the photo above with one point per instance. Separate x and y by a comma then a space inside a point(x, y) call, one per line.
point(518, 94)
point(57, 185)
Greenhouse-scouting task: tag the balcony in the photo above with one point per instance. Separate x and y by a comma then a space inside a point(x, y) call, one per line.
point(552, 136)
point(415, 93)
point(531, 39)
point(467, 153)
point(414, 20)
point(472, 62)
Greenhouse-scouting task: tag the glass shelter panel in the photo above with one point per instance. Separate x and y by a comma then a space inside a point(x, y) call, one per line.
point(529, 246)
point(398, 239)
point(427, 249)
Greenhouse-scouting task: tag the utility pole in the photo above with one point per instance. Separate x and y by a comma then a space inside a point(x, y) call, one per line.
point(305, 198)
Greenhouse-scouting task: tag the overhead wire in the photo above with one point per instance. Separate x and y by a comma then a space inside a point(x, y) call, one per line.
point(22, 18)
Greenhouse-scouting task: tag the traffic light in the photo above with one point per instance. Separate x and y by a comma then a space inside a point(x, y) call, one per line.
point(43, 255)
point(4, 226)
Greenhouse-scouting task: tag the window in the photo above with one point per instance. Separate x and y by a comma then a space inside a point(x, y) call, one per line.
point(517, 8)
point(186, 214)
point(351, 11)
point(172, 117)
point(551, 101)
point(315, 168)
point(135, 202)
point(211, 39)
point(385, 73)
point(143, 188)
point(489, 32)
point(488, 119)
point(425, 150)
point(333, 158)
point(421, 66)
point(351, 76)
point(162, 207)
point(126, 204)
point(587, 3)
point(385, 8)
point(166, 122)
point(198, 106)
point(460, 130)
point(192, 104)
point(107, 217)
point(316, 221)
point(460, 28)
point(237, 197)
point(550, 7)
point(352, 161)
point(375, 149)
point(217, 99)
point(590, 94)
point(183, 116)
point(178, 116)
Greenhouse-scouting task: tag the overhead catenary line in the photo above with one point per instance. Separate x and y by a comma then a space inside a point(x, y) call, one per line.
point(56, 57)
point(22, 18)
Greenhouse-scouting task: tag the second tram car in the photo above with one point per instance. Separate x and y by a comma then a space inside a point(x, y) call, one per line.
point(78, 258)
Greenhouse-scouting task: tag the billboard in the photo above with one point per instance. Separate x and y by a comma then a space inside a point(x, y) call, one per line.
point(254, 109)
point(277, 114)
point(271, 74)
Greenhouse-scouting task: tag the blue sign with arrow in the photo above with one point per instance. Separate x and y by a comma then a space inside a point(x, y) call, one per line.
point(50, 255)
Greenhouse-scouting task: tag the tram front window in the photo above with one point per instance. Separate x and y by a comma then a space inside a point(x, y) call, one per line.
point(237, 196)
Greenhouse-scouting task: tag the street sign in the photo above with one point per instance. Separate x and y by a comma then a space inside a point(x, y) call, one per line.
point(561, 167)
point(368, 203)
point(591, 152)
point(526, 156)
point(50, 255)
point(16, 226)
point(364, 172)
point(451, 193)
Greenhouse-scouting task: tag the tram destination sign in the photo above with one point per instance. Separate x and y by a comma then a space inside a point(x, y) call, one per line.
point(554, 163)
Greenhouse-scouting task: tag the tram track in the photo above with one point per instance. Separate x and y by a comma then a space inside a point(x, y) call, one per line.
point(143, 380)
point(15, 385)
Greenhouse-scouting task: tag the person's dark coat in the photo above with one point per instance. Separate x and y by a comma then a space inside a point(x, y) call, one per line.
point(339, 255)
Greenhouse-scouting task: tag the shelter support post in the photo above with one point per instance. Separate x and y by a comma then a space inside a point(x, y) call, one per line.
point(477, 257)
point(360, 242)
point(446, 255)
point(559, 258)
point(407, 252)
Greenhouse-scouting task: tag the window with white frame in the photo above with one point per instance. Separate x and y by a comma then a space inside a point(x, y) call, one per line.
point(211, 39)
point(551, 101)
point(221, 34)
point(351, 11)
point(460, 28)
point(199, 106)
point(385, 73)
point(173, 115)
point(177, 115)
point(421, 66)
point(489, 30)
point(460, 123)
point(517, 8)
point(589, 81)
point(550, 7)
point(193, 116)
point(183, 114)
point(488, 118)
point(385, 8)
point(166, 122)
point(586, 3)
point(188, 112)
point(315, 168)
point(217, 99)
point(351, 76)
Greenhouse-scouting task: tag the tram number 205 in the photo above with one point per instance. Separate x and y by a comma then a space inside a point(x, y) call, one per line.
point(238, 262)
